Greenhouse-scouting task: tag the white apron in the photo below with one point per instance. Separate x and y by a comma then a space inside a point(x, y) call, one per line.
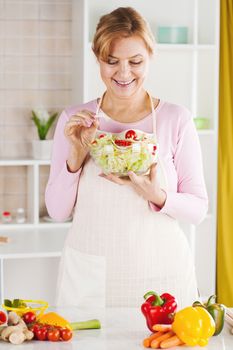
point(118, 248)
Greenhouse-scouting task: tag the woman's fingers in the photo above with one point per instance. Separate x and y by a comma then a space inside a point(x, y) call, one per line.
point(69, 129)
point(87, 116)
point(85, 113)
point(138, 180)
point(133, 177)
point(77, 123)
point(146, 186)
point(153, 172)
point(73, 126)
point(95, 123)
point(80, 121)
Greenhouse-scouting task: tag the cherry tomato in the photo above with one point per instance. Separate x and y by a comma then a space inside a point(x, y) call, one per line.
point(45, 327)
point(3, 317)
point(101, 136)
point(41, 334)
point(131, 134)
point(53, 335)
point(66, 334)
point(29, 317)
point(34, 328)
point(123, 143)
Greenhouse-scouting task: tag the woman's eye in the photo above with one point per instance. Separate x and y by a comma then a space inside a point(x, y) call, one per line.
point(135, 63)
point(112, 62)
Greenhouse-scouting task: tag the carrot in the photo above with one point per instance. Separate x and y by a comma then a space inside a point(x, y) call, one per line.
point(165, 335)
point(147, 341)
point(170, 342)
point(162, 327)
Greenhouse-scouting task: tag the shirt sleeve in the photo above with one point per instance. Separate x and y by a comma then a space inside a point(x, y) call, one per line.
point(62, 186)
point(190, 202)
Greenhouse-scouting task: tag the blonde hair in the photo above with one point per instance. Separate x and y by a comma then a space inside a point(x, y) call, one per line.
point(123, 22)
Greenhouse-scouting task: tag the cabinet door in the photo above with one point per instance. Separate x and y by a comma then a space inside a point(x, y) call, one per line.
point(38, 280)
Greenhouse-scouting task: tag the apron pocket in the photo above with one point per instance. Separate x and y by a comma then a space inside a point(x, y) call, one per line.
point(82, 279)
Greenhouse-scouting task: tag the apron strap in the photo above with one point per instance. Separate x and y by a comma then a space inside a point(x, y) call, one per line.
point(99, 104)
point(152, 110)
point(153, 114)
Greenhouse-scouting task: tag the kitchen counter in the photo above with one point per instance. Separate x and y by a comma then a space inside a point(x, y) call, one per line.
point(122, 329)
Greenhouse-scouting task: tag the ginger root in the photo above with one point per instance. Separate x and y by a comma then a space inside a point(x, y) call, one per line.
point(28, 334)
point(13, 318)
point(17, 338)
point(16, 332)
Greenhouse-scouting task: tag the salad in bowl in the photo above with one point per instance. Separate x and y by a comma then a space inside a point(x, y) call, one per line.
point(119, 153)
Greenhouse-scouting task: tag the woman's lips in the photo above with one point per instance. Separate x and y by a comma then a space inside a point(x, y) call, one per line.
point(123, 83)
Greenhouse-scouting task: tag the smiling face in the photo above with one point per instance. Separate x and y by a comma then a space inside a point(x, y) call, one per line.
point(126, 68)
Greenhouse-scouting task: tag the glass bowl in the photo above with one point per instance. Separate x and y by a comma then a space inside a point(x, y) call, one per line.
point(119, 153)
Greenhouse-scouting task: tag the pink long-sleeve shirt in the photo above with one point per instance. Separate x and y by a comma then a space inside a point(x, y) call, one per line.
point(179, 149)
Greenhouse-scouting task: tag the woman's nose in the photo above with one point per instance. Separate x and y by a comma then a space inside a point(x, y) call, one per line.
point(124, 69)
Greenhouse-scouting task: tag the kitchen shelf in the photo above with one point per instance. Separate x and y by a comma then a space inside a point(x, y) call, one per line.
point(42, 225)
point(33, 242)
point(176, 47)
point(23, 161)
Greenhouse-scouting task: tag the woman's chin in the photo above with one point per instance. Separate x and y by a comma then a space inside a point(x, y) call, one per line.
point(124, 92)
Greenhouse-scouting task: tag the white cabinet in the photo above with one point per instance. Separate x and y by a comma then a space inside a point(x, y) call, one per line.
point(23, 273)
point(186, 74)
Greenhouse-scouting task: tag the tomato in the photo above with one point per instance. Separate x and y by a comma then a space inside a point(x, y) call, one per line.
point(41, 334)
point(45, 327)
point(101, 136)
point(66, 334)
point(123, 143)
point(53, 335)
point(29, 317)
point(3, 317)
point(34, 328)
point(131, 134)
point(154, 148)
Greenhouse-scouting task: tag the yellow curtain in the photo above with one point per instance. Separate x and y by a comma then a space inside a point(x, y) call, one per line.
point(225, 158)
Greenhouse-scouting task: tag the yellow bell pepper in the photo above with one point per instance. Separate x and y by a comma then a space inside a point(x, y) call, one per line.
point(53, 319)
point(194, 326)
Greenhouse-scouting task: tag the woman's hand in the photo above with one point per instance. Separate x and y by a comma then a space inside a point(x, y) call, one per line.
point(146, 186)
point(80, 131)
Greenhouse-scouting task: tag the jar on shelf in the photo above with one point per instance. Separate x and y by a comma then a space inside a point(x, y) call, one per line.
point(20, 216)
point(6, 217)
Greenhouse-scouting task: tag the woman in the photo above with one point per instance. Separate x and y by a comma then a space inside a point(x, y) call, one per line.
point(125, 238)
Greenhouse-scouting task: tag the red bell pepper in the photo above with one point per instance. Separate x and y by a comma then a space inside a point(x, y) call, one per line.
point(158, 309)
